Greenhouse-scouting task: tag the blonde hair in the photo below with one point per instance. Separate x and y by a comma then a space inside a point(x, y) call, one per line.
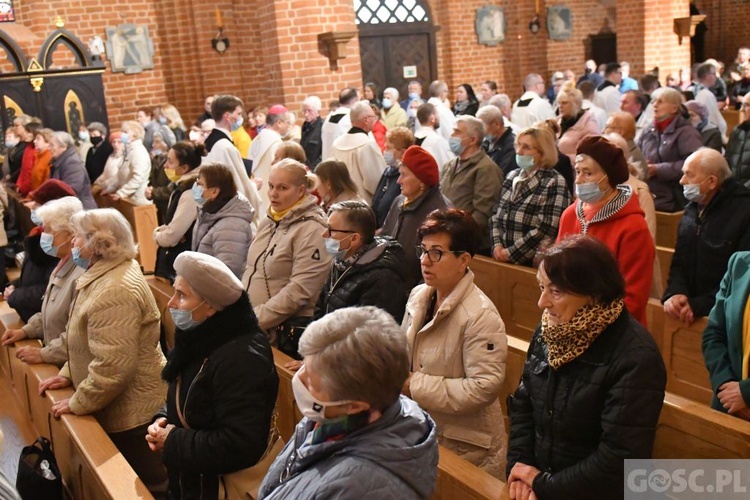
point(400, 137)
point(173, 116)
point(133, 128)
point(292, 149)
point(57, 214)
point(300, 175)
point(46, 134)
point(108, 235)
point(625, 122)
point(668, 95)
point(569, 90)
point(545, 143)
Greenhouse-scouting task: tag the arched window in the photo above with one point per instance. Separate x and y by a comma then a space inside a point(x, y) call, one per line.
point(390, 11)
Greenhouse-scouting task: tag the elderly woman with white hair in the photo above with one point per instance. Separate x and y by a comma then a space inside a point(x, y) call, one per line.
point(393, 114)
point(222, 383)
point(114, 358)
point(359, 438)
point(133, 175)
point(665, 145)
point(49, 324)
point(68, 167)
point(575, 123)
point(311, 131)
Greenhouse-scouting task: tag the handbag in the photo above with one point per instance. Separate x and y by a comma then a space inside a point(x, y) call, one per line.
point(38, 474)
point(245, 483)
point(288, 334)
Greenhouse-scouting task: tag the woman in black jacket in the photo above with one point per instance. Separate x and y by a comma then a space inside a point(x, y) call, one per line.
point(466, 101)
point(222, 382)
point(593, 384)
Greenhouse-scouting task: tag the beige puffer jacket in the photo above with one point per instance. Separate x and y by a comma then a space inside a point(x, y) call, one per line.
point(114, 358)
point(287, 265)
point(458, 360)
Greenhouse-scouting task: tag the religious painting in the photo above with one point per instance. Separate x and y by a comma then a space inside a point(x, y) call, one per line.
point(491, 25)
point(559, 22)
point(73, 113)
point(7, 15)
point(129, 48)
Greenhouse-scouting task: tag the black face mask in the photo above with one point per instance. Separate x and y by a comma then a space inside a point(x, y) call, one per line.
point(96, 140)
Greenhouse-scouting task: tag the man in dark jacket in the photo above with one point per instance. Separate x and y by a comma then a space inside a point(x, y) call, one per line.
point(366, 270)
point(499, 141)
point(713, 228)
point(738, 148)
point(311, 130)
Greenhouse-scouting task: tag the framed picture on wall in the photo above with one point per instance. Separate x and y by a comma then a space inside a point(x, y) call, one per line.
point(491, 25)
point(7, 14)
point(559, 22)
point(129, 48)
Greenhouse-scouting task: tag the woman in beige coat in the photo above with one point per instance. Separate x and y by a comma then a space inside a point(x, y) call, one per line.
point(50, 323)
point(457, 344)
point(287, 263)
point(114, 359)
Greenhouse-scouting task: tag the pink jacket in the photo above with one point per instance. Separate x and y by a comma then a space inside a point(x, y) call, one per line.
point(585, 126)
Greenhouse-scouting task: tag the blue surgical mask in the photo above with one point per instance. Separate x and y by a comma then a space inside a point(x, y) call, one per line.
point(198, 194)
point(236, 125)
point(84, 136)
point(82, 262)
point(526, 162)
point(387, 103)
point(456, 147)
point(184, 319)
point(388, 157)
point(414, 95)
point(333, 247)
point(45, 242)
point(11, 143)
point(163, 120)
point(157, 152)
point(125, 138)
point(693, 192)
point(35, 218)
point(489, 138)
point(589, 192)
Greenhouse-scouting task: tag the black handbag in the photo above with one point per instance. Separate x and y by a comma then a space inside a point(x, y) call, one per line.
point(38, 474)
point(288, 334)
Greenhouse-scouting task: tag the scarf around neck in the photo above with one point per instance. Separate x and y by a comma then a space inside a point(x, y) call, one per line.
point(568, 341)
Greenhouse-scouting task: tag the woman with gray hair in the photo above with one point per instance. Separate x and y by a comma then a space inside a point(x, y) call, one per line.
point(134, 172)
point(114, 358)
point(358, 437)
point(101, 148)
point(68, 167)
point(49, 324)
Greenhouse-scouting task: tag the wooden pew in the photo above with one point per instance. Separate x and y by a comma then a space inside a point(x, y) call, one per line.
point(664, 255)
point(143, 220)
point(732, 117)
point(666, 229)
point(163, 291)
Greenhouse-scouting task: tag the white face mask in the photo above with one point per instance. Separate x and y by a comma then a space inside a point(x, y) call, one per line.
point(309, 406)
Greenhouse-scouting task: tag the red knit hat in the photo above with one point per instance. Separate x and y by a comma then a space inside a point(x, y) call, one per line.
point(608, 156)
point(422, 165)
point(51, 189)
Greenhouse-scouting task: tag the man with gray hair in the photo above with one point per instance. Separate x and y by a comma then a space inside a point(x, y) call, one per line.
point(713, 227)
point(311, 129)
point(532, 107)
point(499, 141)
point(472, 181)
point(393, 114)
point(359, 151)
point(505, 105)
point(438, 94)
point(97, 155)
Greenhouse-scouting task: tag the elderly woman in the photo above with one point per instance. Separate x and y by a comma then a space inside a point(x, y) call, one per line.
point(623, 124)
point(457, 343)
point(575, 123)
point(68, 167)
point(466, 101)
point(334, 183)
point(607, 210)
point(108, 180)
point(710, 134)
point(393, 114)
point(222, 382)
point(665, 146)
point(593, 367)
point(114, 358)
point(738, 147)
point(50, 323)
point(133, 175)
point(224, 226)
point(358, 437)
point(397, 141)
point(532, 200)
point(176, 234)
point(419, 179)
point(287, 262)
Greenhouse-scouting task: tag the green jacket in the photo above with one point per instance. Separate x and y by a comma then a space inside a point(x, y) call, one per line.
point(722, 339)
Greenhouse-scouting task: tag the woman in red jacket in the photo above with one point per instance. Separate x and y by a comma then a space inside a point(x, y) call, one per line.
point(608, 210)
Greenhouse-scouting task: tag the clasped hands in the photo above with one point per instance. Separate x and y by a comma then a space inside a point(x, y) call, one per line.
point(520, 480)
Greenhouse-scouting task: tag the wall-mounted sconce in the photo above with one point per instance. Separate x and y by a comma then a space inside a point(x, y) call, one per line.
point(335, 43)
point(220, 43)
point(685, 26)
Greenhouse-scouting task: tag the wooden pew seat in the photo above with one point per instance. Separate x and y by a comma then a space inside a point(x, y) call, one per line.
point(666, 229)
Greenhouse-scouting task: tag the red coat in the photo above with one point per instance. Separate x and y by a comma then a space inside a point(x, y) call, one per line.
point(626, 234)
point(378, 132)
point(23, 183)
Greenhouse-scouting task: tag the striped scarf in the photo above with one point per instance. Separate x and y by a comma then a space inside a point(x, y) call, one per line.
point(608, 210)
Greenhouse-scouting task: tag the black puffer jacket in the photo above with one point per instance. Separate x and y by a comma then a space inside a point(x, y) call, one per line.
point(228, 391)
point(31, 286)
point(577, 424)
point(375, 279)
point(705, 242)
point(738, 152)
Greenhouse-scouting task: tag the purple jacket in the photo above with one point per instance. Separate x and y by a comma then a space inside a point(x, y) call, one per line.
point(668, 151)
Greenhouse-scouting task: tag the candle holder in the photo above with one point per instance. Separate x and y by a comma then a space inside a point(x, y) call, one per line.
point(220, 43)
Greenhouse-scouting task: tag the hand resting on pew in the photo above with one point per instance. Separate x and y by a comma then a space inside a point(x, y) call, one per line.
point(61, 408)
point(731, 398)
point(13, 335)
point(679, 307)
point(293, 365)
point(30, 355)
point(52, 383)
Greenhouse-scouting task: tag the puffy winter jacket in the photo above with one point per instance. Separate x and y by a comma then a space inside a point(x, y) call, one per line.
point(738, 152)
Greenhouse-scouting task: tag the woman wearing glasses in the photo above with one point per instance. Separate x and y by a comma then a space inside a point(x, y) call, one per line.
point(457, 344)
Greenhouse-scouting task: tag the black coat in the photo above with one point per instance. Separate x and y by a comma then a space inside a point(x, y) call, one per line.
point(387, 191)
point(705, 242)
point(738, 152)
point(577, 424)
point(311, 142)
point(502, 151)
point(165, 256)
point(228, 392)
point(96, 159)
point(375, 279)
point(31, 286)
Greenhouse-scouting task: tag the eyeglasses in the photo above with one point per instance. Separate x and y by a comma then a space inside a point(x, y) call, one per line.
point(331, 230)
point(434, 254)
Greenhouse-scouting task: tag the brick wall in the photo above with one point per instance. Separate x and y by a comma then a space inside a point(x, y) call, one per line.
point(727, 22)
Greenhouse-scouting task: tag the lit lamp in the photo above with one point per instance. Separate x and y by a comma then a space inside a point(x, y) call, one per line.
point(220, 43)
point(535, 25)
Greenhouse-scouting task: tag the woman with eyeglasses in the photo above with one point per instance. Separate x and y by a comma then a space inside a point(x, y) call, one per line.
point(457, 343)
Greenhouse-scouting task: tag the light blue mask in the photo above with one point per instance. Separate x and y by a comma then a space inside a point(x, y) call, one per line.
point(198, 194)
point(45, 242)
point(589, 192)
point(124, 138)
point(387, 103)
point(184, 319)
point(82, 262)
point(35, 218)
point(388, 157)
point(236, 125)
point(84, 136)
point(163, 120)
point(693, 193)
point(526, 162)
point(333, 247)
point(456, 147)
point(414, 95)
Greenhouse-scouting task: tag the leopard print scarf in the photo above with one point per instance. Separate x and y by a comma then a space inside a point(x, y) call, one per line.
point(568, 341)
